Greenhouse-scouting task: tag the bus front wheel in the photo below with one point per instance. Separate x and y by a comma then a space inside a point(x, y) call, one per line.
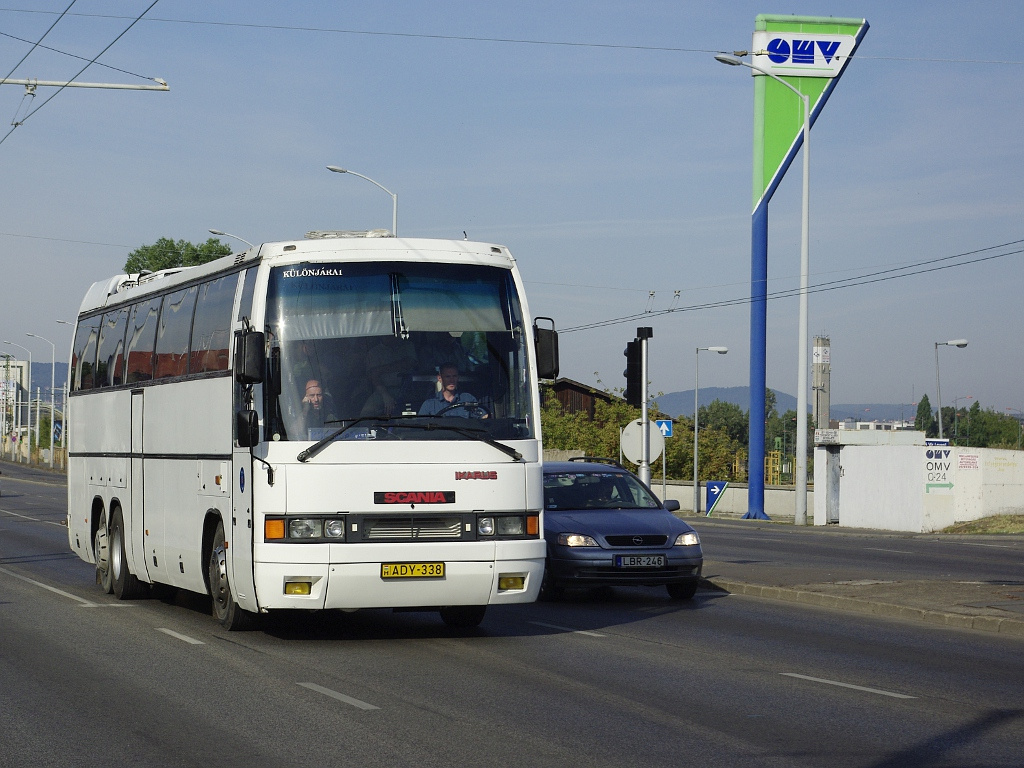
point(225, 609)
point(463, 616)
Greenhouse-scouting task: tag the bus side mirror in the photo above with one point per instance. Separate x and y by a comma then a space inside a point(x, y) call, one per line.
point(546, 343)
point(248, 428)
point(250, 356)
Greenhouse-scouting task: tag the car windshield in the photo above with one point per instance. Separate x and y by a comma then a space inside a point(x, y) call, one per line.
point(396, 351)
point(595, 490)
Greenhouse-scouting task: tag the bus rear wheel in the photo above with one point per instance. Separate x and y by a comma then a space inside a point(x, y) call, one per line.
point(463, 616)
point(126, 584)
point(101, 554)
point(230, 615)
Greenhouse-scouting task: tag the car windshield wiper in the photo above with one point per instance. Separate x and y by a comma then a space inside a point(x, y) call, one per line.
point(318, 446)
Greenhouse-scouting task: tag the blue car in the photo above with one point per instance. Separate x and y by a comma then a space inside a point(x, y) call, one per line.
point(605, 528)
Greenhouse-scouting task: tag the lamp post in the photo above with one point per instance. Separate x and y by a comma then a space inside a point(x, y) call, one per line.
point(696, 386)
point(394, 197)
point(801, 392)
point(228, 234)
point(53, 417)
point(29, 388)
point(960, 343)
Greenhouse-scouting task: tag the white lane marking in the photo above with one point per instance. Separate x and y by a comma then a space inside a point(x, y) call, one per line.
point(33, 519)
point(567, 629)
point(993, 546)
point(179, 636)
point(895, 551)
point(339, 696)
point(83, 603)
point(848, 685)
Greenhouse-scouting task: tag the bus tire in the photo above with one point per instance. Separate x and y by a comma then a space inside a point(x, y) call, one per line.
point(101, 554)
point(463, 616)
point(230, 615)
point(125, 583)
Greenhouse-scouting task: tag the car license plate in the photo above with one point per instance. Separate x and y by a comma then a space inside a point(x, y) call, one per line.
point(412, 570)
point(639, 561)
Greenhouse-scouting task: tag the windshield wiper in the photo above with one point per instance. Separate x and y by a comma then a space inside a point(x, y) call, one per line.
point(318, 446)
point(384, 421)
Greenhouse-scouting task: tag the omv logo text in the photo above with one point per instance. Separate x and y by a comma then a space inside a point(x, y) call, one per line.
point(781, 50)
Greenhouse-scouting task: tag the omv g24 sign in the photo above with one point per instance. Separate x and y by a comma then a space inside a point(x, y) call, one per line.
point(801, 54)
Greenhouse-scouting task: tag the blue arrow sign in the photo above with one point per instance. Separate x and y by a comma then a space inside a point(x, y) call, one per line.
point(665, 426)
point(715, 491)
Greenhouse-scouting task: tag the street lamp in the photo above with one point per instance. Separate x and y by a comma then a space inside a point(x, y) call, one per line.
point(29, 410)
point(696, 386)
point(801, 392)
point(960, 343)
point(53, 417)
point(394, 197)
point(228, 234)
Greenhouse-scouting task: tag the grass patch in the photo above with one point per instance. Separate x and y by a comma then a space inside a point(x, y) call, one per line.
point(994, 524)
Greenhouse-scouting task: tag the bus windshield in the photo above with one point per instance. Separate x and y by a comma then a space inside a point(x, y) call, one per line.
point(395, 350)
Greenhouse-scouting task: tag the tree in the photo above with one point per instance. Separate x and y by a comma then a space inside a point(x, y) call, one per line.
point(166, 253)
point(727, 417)
point(924, 421)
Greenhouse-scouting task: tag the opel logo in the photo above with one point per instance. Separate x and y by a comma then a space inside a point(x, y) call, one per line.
point(638, 541)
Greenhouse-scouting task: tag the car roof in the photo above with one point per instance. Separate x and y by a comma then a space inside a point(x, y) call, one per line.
point(554, 467)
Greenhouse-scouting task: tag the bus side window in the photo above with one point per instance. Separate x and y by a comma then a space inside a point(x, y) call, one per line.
point(141, 340)
point(212, 324)
point(173, 331)
point(83, 357)
point(110, 358)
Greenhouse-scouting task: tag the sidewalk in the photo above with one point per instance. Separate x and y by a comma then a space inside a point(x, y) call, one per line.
point(988, 606)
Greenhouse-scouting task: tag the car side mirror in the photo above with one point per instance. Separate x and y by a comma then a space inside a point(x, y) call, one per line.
point(671, 505)
point(250, 356)
point(248, 428)
point(546, 344)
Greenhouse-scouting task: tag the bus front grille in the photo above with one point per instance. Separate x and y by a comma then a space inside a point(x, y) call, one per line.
point(411, 528)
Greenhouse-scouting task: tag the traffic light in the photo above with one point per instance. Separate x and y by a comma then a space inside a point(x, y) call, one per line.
point(633, 373)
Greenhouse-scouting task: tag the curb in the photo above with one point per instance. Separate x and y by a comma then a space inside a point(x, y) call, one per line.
point(1003, 626)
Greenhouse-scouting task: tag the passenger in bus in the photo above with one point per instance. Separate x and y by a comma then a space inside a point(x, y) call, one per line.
point(387, 365)
point(449, 396)
point(317, 410)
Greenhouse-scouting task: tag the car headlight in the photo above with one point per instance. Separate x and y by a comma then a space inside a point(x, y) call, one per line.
point(576, 540)
point(304, 528)
point(687, 539)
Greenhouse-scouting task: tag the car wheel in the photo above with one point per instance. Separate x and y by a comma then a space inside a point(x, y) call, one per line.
point(230, 615)
point(125, 583)
point(101, 554)
point(682, 590)
point(549, 588)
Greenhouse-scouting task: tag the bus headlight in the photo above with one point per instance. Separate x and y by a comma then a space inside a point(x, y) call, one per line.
point(334, 529)
point(304, 528)
point(510, 526)
point(485, 526)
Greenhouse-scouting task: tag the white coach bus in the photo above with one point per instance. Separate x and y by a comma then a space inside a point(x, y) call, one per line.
point(336, 422)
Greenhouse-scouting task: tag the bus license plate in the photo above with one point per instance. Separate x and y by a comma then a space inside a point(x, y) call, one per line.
point(412, 570)
point(640, 561)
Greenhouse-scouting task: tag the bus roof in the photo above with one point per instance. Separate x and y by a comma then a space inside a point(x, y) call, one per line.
point(316, 246)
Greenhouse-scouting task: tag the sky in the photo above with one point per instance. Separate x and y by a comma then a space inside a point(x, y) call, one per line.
point(599, 141)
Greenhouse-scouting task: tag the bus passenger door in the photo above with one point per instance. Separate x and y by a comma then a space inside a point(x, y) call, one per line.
point(239, 531)
point(137, 523)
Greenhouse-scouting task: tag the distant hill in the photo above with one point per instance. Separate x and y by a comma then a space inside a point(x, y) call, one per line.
point(681, 404)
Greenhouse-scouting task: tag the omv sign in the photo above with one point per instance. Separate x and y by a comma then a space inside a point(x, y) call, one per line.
point(797, 53)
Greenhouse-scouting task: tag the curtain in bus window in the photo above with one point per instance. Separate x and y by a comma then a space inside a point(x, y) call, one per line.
point(141, 340)
point(110, 359)
point(325, 301)
point(172, 335)
point(446, 303)
point(211, 327)
point(83, 357)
